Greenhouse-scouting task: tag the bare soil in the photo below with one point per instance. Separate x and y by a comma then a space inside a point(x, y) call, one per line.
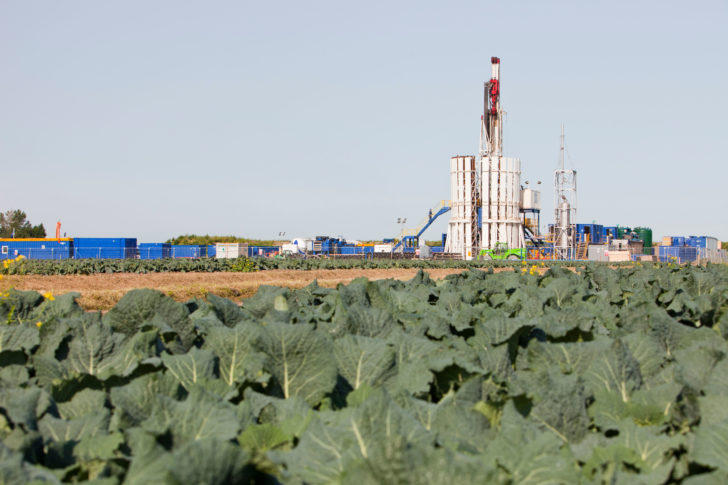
point(103, 291)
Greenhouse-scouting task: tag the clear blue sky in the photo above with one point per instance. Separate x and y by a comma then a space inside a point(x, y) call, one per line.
point(153, 119)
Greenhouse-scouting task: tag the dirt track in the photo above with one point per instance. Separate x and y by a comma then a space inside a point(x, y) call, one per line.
point(102, 291)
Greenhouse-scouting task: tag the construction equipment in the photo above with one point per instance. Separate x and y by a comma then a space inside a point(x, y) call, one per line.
point(501, 251)
point(409, 238)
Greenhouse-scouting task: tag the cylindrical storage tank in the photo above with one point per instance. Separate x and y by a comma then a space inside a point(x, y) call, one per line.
point(301, 244)
point(565, 218)
point(645, 235)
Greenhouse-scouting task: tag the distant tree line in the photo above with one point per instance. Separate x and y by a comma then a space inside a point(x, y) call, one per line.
point(207, 239)
point(14, 223)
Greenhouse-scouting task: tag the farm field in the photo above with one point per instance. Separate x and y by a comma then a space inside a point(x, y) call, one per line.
point(102, 291)
point(589, 375)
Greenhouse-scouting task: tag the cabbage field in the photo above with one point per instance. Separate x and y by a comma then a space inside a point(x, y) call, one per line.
point(591, 376)
point(244, 265)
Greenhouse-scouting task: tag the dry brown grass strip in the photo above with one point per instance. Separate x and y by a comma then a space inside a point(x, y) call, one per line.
point(103, 291)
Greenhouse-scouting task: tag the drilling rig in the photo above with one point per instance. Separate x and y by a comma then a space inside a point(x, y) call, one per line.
point(486, 193)
point(565, 207)
point(500, 188)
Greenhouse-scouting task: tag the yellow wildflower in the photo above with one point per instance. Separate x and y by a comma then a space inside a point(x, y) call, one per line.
point(48, 296)
point(38, 324)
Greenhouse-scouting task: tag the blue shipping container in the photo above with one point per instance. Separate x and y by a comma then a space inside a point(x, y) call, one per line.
point(105, 248)
point(678, 241)
point(104, 242)
point(105, 253)
point(589, 232)
point(154, 250)
point(211, 250)
point(697, 242)
point(36, 248)
point(597, 230)
point(609, 231)
point(188, 250)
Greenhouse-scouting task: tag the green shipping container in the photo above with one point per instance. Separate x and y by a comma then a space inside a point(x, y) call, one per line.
point(645, 235)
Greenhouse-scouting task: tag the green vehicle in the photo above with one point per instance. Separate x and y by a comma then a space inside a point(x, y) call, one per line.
point(500, 252)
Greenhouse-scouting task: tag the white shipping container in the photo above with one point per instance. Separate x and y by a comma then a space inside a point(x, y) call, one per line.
point(230, 250)
point(598, 253)
point(531, 199)
point(619, 256)
point(711, 243)
point(382, 248)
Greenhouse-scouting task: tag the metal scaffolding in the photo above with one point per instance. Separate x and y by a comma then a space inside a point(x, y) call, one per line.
point(564, 208)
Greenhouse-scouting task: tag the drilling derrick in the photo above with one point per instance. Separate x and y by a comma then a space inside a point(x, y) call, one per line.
point(500, 188)
point(491, 131)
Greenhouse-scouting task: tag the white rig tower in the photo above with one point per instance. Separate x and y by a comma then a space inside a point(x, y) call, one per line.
point(488, 190)
point(463, 232)
point(565, 207)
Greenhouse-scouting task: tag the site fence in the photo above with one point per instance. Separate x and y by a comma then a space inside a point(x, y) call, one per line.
point(682, 255)
point(104, 253)
point(665, 254)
